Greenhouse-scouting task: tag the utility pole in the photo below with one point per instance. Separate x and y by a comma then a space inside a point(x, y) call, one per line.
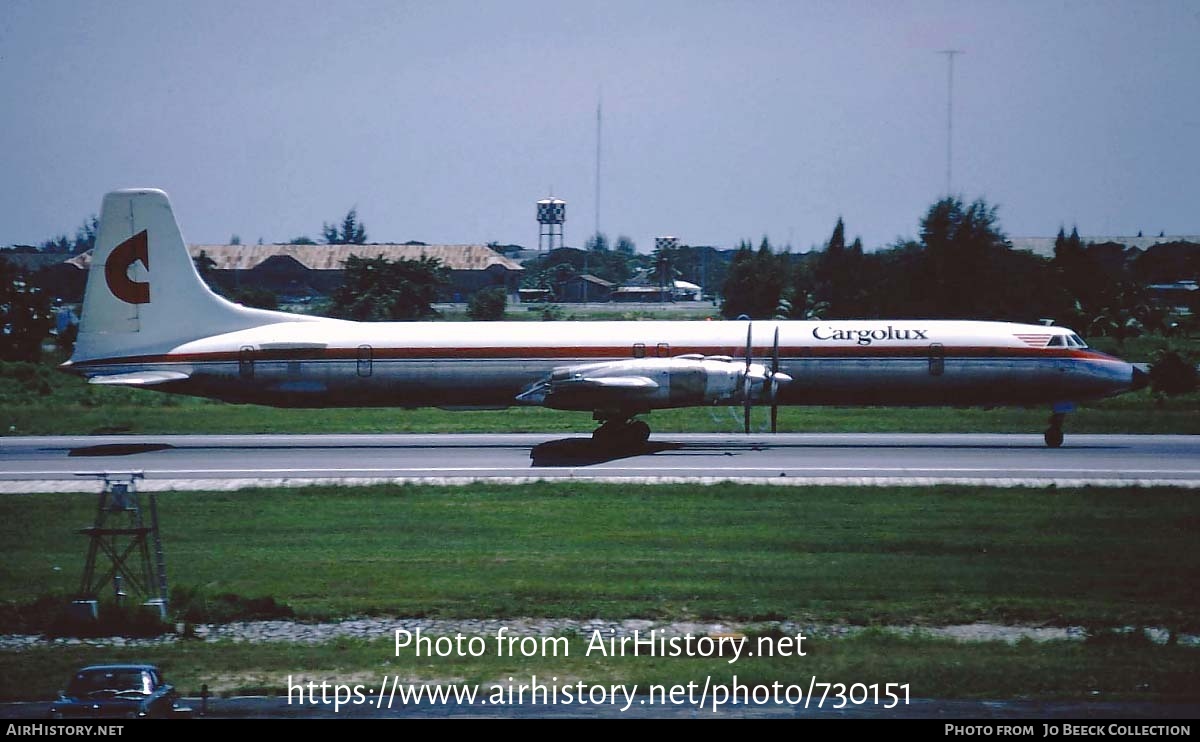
point(599, 129)
point(950, 53)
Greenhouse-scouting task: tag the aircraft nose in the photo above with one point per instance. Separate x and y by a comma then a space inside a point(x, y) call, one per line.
point(1140, 379)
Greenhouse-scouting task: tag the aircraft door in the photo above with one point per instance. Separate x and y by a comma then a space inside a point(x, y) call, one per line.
point(365, 360)
point(937, 359)
point(246, 362)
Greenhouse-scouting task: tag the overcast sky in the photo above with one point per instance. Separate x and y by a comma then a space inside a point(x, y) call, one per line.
point(445, 121)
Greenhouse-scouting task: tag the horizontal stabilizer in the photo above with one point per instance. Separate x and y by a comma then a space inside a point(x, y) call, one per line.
point(139, 378)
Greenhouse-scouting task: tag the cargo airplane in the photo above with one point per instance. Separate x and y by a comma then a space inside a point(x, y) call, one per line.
point(150, 321)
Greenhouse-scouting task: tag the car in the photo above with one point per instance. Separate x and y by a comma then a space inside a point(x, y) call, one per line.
point(118, 691)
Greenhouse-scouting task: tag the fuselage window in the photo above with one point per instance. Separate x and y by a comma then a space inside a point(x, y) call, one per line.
point(664, 350)
point(639, 350)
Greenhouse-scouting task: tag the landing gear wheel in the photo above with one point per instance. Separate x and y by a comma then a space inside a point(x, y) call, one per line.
point(623, 434)
point(639, 432)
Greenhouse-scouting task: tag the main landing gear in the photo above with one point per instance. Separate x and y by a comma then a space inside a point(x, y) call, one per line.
point(1054, 434)
point(621, 432)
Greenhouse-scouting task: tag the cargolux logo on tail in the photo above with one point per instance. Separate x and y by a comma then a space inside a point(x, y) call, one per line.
point(116, 270)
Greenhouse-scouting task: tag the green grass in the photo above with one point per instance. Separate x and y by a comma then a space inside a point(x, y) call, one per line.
point(1100, 558)
point(933, 668)
point(866, 556)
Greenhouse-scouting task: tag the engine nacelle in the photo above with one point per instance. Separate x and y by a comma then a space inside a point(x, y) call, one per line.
point(653, 383)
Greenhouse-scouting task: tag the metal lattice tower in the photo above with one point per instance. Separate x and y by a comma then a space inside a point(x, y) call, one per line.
point(666, 283)
point(121, 534)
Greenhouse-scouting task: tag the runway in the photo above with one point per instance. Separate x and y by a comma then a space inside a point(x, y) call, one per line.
point(194, 462)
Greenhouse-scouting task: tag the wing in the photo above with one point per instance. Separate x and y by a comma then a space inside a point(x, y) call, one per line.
point(138, 378)
point(585, 388)
point(630, 383)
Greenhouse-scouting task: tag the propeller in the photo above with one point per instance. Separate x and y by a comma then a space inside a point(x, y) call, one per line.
point(771, 381)
point(774, 389)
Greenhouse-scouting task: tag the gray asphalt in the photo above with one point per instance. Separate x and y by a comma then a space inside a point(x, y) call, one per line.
point(35, 464)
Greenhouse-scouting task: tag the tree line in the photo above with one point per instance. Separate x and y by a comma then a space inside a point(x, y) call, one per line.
point(963, 267)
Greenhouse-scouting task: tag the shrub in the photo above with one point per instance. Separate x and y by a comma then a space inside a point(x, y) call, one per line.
point(1173, 372)
point(193, 606)
point(487, 304)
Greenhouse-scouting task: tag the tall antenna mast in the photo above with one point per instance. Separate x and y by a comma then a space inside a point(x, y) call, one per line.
point(949, 114)
point(599, 130)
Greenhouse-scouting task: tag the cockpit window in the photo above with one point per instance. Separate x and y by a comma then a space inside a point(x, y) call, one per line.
point(1076, 341)
point(1058, 341)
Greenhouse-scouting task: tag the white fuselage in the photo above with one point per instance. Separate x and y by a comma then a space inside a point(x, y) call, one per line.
point(328, 362)
point(150, 320)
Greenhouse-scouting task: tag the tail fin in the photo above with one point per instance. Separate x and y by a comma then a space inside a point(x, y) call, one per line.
point(143, 293)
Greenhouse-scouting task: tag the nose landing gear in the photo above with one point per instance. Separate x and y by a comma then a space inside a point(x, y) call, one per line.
point(1054, 434)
